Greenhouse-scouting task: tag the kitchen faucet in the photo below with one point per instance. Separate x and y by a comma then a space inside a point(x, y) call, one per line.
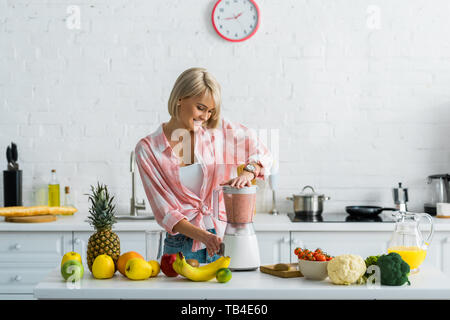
point(135, 205)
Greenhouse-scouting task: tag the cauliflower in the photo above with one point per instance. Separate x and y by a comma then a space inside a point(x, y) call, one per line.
point(346, 269)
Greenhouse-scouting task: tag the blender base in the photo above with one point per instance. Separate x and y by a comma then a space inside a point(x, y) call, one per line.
point(243, 251)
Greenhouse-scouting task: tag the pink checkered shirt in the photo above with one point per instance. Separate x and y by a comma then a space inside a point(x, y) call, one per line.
point(220, 151)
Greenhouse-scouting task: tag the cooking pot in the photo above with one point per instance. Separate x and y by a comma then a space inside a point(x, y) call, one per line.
point(308, 203)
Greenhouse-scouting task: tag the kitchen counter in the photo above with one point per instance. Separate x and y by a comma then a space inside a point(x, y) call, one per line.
point(429, 283)
point(262, 222)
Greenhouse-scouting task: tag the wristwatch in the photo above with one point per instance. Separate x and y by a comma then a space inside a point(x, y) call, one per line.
point(250, 168)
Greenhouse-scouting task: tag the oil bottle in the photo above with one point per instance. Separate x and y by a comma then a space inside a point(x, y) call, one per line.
point(67, 197)
point(53, 191)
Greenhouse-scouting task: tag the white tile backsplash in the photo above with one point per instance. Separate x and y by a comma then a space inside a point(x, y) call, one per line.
point(358, 90)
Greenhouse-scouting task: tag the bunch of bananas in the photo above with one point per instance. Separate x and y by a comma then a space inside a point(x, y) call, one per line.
point(203, 273)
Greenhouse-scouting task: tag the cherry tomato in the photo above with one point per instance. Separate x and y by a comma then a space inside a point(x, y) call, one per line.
point(321, 257)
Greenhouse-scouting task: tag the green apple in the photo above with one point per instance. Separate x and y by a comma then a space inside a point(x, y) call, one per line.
point(72, 270)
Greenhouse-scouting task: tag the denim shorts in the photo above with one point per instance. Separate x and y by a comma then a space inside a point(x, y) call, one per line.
point(179, 242)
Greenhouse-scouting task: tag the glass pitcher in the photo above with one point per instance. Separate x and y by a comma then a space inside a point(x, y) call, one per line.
point(407, 238)
point(239, 203)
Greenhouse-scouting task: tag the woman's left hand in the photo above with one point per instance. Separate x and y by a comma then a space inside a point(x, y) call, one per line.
point(243, 180)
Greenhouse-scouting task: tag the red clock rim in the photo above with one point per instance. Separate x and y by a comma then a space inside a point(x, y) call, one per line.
point(234, 40)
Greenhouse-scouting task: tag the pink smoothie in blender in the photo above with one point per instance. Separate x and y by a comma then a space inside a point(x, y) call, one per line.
point(240, 242)
point(239, 206)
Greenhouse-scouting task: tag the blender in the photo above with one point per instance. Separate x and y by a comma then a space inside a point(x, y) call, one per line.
point(239, 241)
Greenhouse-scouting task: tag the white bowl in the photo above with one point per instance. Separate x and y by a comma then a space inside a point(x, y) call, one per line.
point(315, 270)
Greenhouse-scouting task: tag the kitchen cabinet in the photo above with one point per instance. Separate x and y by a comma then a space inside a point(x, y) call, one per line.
point(26, 257)
point(446, 254)
point(28, 252)
point(34, 247)
point(430, 284)
point(337, 243)
point(274, 247)
point(279, 246)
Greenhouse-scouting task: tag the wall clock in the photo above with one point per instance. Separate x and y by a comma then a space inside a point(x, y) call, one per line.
point(236, 20)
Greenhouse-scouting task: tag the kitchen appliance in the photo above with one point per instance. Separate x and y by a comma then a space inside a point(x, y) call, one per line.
point(442, 210)
point(12, 179)
point(366, 211)
point(439, 192)
point(400, 196)
point(308, 203)
point(337, 217)
point(407, 238)
point(239, 242)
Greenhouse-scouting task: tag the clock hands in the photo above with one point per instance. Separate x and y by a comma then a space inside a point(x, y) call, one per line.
point(234, 17)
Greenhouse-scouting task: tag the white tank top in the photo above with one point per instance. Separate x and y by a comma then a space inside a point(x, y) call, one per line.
point(192, 178)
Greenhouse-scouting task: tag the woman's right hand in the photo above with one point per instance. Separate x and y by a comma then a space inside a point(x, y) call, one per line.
point(212, 243)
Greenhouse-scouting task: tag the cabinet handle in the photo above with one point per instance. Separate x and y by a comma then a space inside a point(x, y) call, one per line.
point(17, 246)
point(18, 278)
point(77, 241)
point(285, 240)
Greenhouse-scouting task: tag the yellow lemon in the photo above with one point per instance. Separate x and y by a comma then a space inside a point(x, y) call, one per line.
point(155, 267)
point(103, 267)
point(70, 256)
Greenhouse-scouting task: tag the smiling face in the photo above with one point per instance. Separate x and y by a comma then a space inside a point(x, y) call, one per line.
point(195, 111)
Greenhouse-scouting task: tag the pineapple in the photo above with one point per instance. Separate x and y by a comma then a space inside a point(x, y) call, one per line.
point(102, 218)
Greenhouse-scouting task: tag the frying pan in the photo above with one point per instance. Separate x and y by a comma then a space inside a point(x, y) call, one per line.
point(366, 211)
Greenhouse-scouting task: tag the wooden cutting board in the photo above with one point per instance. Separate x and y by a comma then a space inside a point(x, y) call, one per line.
point(292, 272)
point(32, 219)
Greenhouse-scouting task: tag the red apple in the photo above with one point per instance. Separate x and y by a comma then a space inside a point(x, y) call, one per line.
point(166, 264)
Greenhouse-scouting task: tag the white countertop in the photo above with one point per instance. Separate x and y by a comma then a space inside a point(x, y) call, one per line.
point(429, 283)
point(262, 222)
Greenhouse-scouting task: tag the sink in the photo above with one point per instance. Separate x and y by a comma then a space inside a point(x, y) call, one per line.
point(130, 217)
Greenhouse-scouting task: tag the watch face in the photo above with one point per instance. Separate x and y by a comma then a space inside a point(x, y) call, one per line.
point(236, 20)
point(250, 167)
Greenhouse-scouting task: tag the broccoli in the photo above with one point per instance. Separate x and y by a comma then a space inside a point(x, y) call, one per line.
point(371, 260)
point(393, 270)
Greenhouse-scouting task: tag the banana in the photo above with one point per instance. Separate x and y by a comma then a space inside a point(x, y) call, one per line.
point(203, 273)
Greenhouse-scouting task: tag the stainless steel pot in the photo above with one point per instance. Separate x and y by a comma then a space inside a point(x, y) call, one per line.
point(308, 203)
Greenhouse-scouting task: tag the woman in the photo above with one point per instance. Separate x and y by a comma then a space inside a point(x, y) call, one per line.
point(186, 158)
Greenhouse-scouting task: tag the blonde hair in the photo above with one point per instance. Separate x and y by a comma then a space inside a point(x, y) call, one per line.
point(193, 82)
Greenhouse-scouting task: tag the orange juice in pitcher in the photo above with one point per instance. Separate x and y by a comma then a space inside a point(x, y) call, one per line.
point(413, 256)
point(407, 238)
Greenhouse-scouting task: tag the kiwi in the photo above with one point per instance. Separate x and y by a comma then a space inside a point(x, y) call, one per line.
point(193, 262)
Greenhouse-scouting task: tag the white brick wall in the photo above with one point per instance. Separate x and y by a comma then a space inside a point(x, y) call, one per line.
point(361, 100)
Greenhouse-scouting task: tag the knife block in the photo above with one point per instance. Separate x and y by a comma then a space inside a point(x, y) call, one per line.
point(12, 188)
